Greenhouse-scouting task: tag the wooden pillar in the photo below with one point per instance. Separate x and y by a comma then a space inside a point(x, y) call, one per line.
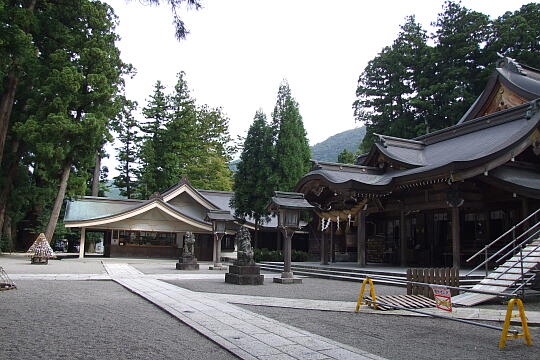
point(361, 238)
point(402, 240)
point(81, 243)
point(456, 246)
point(524, 213)
point(324, 250)
point(332, 244)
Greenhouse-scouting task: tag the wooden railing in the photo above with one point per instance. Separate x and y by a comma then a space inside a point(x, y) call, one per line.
point(435, 276)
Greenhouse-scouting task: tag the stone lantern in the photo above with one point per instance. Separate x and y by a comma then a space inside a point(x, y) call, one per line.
point(220, 219)
point(288, 207)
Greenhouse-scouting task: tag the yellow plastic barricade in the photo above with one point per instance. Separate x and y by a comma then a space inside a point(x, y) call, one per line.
point(525, 334)
point(361, 295)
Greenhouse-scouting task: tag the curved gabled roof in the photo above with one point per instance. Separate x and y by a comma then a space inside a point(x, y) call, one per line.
point(132, 211)
point(459, 152)
point(401, 152)
point(522, 80)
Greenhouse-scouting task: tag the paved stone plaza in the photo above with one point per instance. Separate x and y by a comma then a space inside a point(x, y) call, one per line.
point(70, 318)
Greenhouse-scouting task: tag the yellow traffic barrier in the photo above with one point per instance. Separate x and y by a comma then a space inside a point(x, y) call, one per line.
point(361, 295)
point(525, 334)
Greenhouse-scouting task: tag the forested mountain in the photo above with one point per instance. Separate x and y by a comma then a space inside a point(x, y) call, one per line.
point(329, 149)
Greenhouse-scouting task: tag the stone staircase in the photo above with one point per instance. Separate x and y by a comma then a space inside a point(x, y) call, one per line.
point(506, 277)
point(335, 272)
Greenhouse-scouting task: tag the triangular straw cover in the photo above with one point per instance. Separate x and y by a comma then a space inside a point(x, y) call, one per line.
point(41, 247)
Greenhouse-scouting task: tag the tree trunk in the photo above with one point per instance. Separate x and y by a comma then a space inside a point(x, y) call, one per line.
point(8, 97)
point(7, 234)
point(55, 213)
point(9, 181)
point(6, 105)
point(97, 171)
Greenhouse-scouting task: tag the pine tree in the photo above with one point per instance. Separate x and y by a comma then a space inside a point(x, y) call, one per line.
point(78, 78)
point(127, 153)
point(183, 140)
point(150, 174)
point(517, 35)
point(183, 145)
point(459, 62)
point(252, 188)
point(388, 97)
point(292, 152)
point(209, 165)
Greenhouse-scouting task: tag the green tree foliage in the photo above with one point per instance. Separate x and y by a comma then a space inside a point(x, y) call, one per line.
point(127, 129)
point(62, 107)
point(182, 139)
point(388, 86)
point(414, 86)
point(346, 157)
point(252, 188)
point(516, 34)
point(292, 152)
point(459, 61)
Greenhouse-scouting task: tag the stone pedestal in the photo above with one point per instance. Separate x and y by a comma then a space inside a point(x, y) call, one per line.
point(292, 280)
point(187, 263)
point(244, 275)
point(217, 267)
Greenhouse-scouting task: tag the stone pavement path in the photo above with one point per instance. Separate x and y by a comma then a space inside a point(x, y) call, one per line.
point(242, 332)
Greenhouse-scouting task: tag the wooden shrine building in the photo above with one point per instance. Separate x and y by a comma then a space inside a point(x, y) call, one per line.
point(436, 199)
point(156, 227)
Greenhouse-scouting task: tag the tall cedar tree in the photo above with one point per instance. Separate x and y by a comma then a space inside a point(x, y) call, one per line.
point(252, 188)
point(292, 152)
point(517, 34)
point(127, 153)
point(182, 139)
point(458, 79)
point(209, 166)
point(80, 74)
point(182, 145)
point(150, 172)
point(411, 88)
point(388, 86)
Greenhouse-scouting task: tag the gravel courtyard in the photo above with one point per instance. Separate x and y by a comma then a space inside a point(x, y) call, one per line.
point(404, 337)
point(93, 320)
point(47, 319)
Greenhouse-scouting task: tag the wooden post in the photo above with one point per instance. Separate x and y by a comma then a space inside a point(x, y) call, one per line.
point(402, 240)
point(81, 243)
point(524, 213)
point(332, 244)
point(456, 246)
point(324, 250)
point(361, 237)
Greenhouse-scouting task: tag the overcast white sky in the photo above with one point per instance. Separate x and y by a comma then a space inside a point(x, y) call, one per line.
point(239, 51)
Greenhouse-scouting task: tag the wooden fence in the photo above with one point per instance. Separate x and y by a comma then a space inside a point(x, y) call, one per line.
point(436, 276)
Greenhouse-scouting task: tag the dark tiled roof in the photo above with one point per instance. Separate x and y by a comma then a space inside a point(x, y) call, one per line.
point(441, 153)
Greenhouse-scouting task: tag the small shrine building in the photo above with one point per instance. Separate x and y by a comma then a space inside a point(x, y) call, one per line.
point(156, 227)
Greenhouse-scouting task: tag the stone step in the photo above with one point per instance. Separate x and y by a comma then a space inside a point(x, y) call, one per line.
point(389, 278)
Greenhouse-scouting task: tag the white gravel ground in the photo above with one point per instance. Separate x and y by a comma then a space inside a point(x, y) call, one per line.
point(93, 320)
point(311, 288)
point(403, 337)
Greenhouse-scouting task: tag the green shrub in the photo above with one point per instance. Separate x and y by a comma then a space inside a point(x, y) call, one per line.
point(277, 255)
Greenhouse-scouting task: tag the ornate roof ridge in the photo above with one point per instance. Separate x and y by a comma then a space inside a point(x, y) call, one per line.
point(525, 110)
